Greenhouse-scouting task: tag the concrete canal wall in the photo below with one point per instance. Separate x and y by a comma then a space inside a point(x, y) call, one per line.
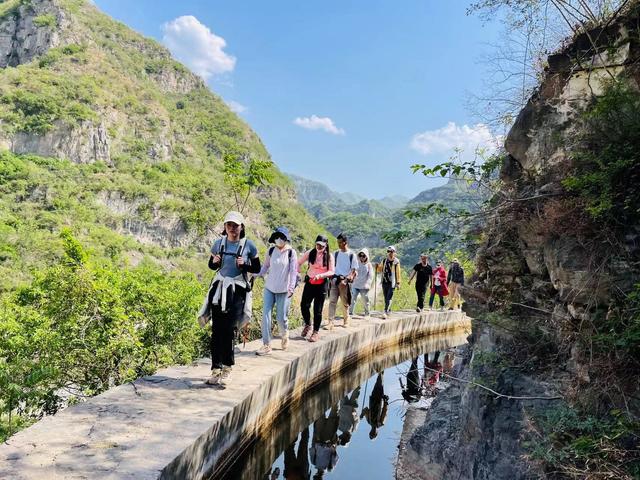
point(172, 425)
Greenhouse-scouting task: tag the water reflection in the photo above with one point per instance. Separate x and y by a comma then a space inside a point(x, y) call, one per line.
point(319, 437)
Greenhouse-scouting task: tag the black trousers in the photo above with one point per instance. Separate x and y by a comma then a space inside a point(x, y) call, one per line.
point(316, 294)
point(438, 290)
point(225, 328)
point(421, 290)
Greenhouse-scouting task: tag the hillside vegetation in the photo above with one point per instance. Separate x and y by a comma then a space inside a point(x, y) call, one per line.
point(112, 188)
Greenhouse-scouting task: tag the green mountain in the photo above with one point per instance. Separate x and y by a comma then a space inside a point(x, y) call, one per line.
point(101, 131)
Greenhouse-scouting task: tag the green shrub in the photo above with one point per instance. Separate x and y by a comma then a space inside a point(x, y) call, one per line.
point(607, 162)
point(47, 20)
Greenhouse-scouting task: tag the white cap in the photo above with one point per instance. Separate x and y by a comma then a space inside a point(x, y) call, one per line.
point(392, 248)
point(235, 217)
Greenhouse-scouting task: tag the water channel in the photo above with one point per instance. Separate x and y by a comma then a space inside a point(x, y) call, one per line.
point(350, 426)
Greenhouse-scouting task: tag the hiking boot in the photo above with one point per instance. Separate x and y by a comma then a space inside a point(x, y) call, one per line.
point(225, 376)
point(264, 350)
point(285, 340)
point(328, 326)
point(315, 336)
point(305, 331)
point(214, 379)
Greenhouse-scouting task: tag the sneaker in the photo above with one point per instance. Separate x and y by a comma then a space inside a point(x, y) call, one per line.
point(384, 315)
point(264, 350)
point(367, 316)
point(315, 336)
point(328, 326)
point(214, 379)
point(418, 309)
point(225, 376)
point(442, 309)
point(285, 340)
point(305, 331)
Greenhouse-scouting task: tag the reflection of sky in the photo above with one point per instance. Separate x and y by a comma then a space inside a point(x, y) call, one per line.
point(363, 457)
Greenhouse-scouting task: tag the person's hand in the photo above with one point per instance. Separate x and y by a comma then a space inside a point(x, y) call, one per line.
point(344, 282)
point(240, 261)
point(316, 277)
point(290, 294)
point(398, 286)
point(216, 258)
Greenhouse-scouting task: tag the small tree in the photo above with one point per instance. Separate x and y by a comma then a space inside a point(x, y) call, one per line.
point(244, 175)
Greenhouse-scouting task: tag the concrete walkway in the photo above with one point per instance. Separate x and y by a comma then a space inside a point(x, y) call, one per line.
point(172, 425)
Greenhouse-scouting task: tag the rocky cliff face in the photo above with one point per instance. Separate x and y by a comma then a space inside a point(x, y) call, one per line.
point(535, 260)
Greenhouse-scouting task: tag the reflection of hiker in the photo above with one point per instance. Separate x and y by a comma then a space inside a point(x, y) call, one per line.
point(281, 269)
point(447, 362)
point(296, 467)
point(321, 266)
point(432, 370)
point(340, 285)
point(325, 442)
point(376, 412)
point(423, 272)
point(455, 279)
point(411, 393)
point(348, 416)
point(439, 285)
point(390, 269)
point(229, 298)
point(362, 283)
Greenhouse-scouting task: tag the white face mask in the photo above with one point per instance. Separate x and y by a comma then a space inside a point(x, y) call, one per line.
point(279, 242)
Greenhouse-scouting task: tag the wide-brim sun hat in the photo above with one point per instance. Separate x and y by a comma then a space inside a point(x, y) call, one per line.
point(234, 217)
point(282, 230)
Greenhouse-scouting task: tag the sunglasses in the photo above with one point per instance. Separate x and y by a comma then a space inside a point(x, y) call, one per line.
point(362, 255)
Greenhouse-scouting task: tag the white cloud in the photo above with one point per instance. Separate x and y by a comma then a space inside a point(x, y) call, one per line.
point(318, 123)
point(196, 46)
point(236, 107)
point(451, 136)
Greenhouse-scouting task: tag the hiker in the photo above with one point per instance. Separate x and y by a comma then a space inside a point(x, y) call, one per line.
point(362, 283)
point(296, 466)
point(348, 414)
point(390, 269)
point(234, 257)
point(281, 270)
point(339, 286)
point(376, 412)
point(423, 272)
point(321, 268)
point(411, 393)
point(432, 371)
point(324, 454)
point(455, 279)
point(439, 285)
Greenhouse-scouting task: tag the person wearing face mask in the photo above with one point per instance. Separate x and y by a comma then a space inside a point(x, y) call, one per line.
point(281, 270)
point(439, 285)
point(321, 267)
point(362, 283)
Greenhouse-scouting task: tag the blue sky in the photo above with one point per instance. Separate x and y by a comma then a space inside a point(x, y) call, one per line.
point(348, 93)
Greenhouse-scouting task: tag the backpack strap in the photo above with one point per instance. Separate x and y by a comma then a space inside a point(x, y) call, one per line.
point(271, 250)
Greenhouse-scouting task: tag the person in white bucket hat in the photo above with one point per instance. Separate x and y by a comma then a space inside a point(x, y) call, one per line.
point(228, 301)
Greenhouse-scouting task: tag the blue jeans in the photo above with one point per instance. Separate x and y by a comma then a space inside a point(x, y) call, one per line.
point(281, 302)
point(355, 292)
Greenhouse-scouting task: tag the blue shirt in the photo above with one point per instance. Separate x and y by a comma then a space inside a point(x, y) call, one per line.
point(229, 267)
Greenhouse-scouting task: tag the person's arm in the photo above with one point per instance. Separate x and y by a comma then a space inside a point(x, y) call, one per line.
point(215, 260)
point(303, 258)
point(293, 272)
point(398, 274)
point(413, 274)
point(449, 276)
point(461, 276)
point(265, 267)
point(332, 269)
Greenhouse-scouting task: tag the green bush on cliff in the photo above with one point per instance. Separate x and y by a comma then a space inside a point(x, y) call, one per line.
point(607, 162)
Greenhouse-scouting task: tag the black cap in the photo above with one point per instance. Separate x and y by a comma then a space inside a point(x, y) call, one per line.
point(322, 238)
point(343, 237)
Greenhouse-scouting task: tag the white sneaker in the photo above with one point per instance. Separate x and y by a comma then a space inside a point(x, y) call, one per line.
point(225, 376)
point(214, 379)
point(384, 315)
point(285, 340)
point(264, 350)
point(418, 309)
